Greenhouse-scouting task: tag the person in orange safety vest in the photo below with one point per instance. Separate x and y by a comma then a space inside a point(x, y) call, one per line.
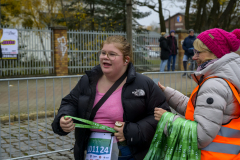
point(215, 103)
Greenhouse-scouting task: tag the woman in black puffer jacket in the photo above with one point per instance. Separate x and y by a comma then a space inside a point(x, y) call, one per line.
point(165, 51)
point(138, 99)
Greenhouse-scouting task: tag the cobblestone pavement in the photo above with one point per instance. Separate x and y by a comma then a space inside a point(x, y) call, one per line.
point(33, 138)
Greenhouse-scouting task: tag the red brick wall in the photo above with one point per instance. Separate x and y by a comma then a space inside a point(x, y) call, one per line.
point(60, 51)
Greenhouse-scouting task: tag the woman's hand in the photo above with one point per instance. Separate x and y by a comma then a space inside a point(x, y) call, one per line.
point(161, 86)
point(67, 124)
point(119, 134)
point(158, 112)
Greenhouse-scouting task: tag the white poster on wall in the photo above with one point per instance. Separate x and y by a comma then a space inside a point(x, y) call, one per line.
point(9, 43)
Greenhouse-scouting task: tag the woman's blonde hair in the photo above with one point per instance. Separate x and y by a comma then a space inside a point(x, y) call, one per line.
point(201, 47)
point(121, 44)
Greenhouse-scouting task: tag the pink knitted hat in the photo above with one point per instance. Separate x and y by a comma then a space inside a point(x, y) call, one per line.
point(221, 42)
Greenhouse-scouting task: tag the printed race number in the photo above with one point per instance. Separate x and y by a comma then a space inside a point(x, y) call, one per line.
point(99, 146)
point(97, 149)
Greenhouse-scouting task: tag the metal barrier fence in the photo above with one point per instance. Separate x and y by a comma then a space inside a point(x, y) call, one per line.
point(35, 55)
point(146, 52)
point(175, 80)
point(28, 106)
point(84, 45)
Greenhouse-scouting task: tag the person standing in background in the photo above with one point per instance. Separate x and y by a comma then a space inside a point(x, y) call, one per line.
point(165, 51)
point(172, 44)
point(188, 47)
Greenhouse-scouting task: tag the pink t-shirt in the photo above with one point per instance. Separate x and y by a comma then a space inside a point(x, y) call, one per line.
point(111, 110)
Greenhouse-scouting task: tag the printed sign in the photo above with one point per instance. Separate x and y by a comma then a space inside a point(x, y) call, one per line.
point(9, 43)
point(178, 24)
point(179, 18)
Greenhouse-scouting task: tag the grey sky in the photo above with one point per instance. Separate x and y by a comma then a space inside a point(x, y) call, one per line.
point(154, 18)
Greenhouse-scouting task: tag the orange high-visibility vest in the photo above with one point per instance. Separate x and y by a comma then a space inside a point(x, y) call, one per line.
point(226, 145)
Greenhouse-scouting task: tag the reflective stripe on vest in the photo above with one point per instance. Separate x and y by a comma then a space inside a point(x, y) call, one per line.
point(226, 145)
point(228, 132)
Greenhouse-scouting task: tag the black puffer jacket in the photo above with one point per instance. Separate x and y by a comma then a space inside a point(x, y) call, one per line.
point(138, 116)
point(188, 45)
point(165, 51)
point(0, 51)
point(172, 44)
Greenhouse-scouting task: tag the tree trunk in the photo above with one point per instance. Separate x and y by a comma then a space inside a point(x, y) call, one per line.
point(63, 11)
point(0, 16)
point(199, 9)
point(202, 26)
point(124, 18)
point(228, 24)
point(92, 15)
point(188, 4)
point(129, 21)
point(161, 18)
point(213, 14)
point(227, 12)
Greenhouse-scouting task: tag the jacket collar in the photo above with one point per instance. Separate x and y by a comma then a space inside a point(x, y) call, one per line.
point(225, 67)
point(96, 72)
point(131, 73)
point(192, 36)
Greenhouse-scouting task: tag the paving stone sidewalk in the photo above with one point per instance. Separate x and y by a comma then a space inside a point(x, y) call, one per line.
point(24, 139)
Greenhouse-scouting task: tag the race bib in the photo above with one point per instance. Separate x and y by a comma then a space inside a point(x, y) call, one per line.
point(102, 146)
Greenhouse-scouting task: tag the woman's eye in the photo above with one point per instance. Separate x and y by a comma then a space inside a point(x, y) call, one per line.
point(112, 54)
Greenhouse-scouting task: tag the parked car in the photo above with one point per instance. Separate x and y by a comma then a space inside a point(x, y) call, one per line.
point(153, 54)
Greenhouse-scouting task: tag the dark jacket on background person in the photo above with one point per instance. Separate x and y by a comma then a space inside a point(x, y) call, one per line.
point(165, 51)
point(0, 51)
point(172, 44)
point(188, 45)
point(138, 116)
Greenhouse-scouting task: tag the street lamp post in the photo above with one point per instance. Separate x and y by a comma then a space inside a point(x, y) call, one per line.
point(168, 19)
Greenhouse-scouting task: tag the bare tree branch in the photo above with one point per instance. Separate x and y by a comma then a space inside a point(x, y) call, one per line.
point(147, 5)
point(228, 11)
point(156, 8)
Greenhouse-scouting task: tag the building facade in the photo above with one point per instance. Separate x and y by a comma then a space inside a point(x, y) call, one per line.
point(177, 22)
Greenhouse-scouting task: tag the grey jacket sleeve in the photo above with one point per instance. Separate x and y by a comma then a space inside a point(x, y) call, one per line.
point(210, 104)
point(176, 100)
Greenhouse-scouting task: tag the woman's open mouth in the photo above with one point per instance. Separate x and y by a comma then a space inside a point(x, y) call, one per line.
point(105, 64)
